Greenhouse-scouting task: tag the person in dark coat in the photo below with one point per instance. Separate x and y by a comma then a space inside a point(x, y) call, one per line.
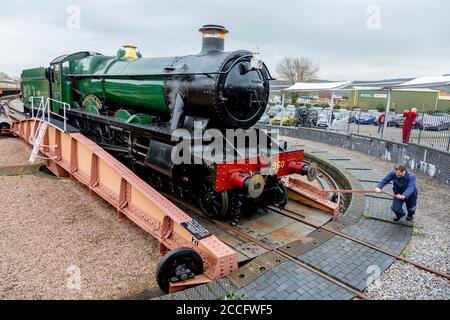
point(405, 190)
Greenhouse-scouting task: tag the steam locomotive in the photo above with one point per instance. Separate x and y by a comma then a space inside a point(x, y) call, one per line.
point(132, 107)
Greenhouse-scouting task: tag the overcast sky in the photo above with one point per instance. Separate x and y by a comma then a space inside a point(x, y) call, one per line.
point(349, 39)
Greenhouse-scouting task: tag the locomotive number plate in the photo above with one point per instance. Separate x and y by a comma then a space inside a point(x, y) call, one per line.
point(277, 165)
point(196, 229)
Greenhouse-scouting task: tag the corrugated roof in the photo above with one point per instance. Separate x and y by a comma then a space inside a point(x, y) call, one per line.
point(421, 84)
point(319, 86)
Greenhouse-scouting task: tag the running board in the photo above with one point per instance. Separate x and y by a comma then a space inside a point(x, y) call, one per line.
point(73, 155)
point(307, 194)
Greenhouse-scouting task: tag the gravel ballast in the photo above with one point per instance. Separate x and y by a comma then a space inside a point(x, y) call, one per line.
point(429, 244)
point(59, 242)
point(14, 152)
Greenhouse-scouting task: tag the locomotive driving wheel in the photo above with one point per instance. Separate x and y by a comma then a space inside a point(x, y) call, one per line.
point(178, 265)
point(99, 133)
point(213, 204)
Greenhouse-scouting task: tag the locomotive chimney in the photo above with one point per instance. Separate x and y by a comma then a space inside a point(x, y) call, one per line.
point(213, 38)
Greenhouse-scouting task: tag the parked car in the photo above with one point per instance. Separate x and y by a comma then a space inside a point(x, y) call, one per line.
point(339, 124)
point(391, 116)
point(397, 121)
point(352, 116)
point(431, 122)
point(284, 118)
point(391, 119)
point(264, 119)
point(366, 119)
point(322, 121)
point(306, 117)
point(344, 115)
point(291, 108)
point(274, 110)
point(441, 114)
point(445, 117)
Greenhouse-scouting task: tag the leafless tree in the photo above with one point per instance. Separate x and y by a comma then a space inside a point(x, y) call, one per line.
point(4, 76)
point(297, 69)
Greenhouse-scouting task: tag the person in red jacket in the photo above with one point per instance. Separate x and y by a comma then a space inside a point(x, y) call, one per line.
point(380, 122)
point(405, 125)
point(408, 125)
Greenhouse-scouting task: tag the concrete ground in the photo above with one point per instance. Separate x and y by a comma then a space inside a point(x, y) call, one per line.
point(59, 242)
point(430, 242)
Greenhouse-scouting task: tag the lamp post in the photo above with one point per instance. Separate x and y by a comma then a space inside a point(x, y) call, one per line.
point(388, 106)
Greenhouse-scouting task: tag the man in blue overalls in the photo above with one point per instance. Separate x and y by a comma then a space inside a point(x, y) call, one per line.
point(405, 191)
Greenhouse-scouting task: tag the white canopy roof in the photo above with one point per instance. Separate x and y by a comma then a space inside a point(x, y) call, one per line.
point(421, 82)
point(318, 86)
point(362, 88)
point(424, 82)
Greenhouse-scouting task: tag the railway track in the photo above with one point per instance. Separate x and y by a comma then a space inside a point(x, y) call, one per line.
point(292, 215)
point(266, 246)
point(7, 114)
point(301, 219)
point(9, 97)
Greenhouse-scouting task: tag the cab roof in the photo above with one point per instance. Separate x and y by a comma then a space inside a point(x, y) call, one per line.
point(72, 56)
